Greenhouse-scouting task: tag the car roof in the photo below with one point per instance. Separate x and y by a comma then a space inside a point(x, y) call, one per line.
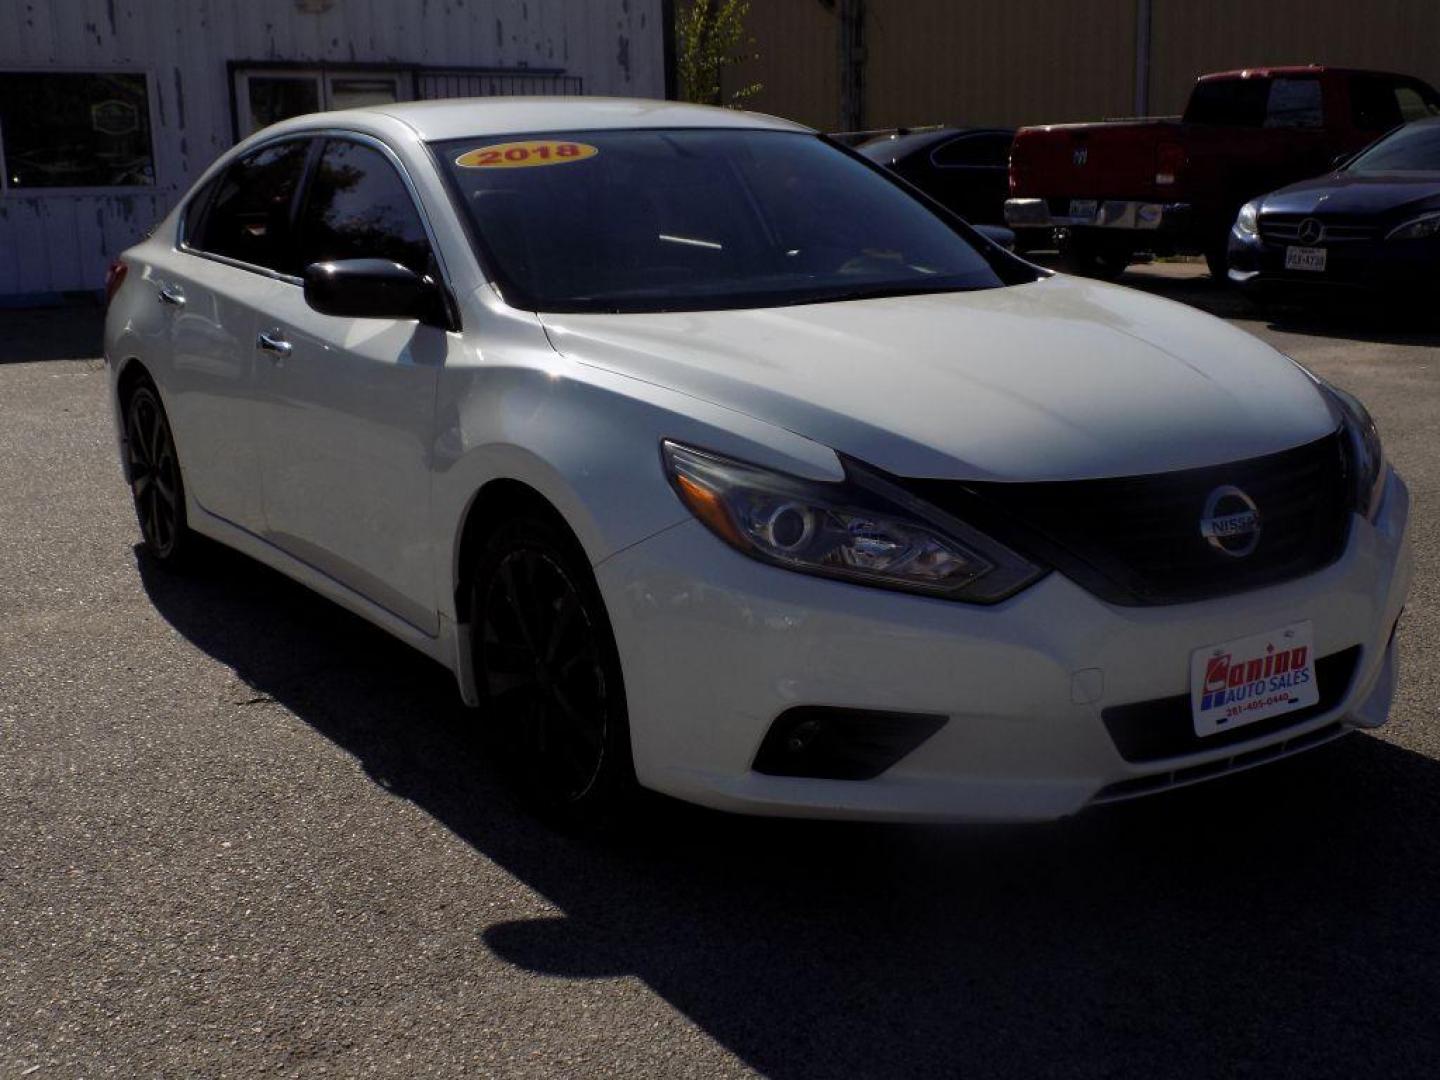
point(895, 146)
point(458, 118)
point(1298, 69)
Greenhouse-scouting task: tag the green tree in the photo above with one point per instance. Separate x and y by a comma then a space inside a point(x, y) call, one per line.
point(710, 35)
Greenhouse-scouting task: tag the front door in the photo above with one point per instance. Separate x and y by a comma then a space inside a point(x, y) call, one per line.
point(347, 405)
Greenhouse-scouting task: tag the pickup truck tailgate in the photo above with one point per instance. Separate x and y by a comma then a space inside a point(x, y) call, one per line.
point(1090, 161)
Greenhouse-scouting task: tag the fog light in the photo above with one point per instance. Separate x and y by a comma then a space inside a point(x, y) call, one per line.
point(841, 744)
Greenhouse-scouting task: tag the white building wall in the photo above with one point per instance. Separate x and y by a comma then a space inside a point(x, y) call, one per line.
point(61, 241)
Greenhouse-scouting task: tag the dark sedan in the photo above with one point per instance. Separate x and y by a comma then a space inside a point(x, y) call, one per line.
point(966, 170)
point(1374, 224)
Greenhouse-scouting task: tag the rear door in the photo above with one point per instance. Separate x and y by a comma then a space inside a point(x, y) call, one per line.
point(347, 405)
point(233, 242)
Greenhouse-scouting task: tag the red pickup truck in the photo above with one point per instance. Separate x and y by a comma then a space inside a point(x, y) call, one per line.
point(1108, 191)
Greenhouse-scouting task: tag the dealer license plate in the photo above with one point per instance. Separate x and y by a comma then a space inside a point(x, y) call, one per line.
point(1084, 208)
point(1253, 678)
point(1303, 258)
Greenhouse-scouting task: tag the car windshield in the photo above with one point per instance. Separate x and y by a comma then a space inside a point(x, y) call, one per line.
point(1414, 148)
point(691, 219)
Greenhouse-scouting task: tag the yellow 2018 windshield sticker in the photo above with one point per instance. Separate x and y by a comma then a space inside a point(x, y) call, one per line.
point(524, 155)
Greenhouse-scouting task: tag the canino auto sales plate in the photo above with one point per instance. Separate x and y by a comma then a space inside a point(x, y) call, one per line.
point(1253, 678)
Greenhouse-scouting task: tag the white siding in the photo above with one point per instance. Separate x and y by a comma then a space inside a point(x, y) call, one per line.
point(60, 242)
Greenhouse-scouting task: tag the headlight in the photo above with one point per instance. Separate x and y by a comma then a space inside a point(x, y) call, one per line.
point(1245, 220)
point(1365, 462)
point(1420, 228)
point(864, 530)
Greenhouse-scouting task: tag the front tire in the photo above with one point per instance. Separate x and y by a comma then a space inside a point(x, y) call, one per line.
point(549, 676)
point(156, 484)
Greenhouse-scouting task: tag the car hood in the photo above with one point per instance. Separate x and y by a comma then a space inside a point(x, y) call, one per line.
point(1354, 194)
point(1059, 379)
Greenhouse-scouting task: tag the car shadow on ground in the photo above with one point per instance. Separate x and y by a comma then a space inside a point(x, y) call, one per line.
point(1281, 921)
point(1334, 315)
point(1340, 315)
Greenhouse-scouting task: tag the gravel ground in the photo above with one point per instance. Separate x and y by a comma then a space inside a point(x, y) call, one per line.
point(243, 833)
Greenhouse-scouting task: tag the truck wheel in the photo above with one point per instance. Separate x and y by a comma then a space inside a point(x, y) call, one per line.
point(1089, 259)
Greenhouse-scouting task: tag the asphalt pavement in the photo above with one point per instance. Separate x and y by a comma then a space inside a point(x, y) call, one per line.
point(243, 833)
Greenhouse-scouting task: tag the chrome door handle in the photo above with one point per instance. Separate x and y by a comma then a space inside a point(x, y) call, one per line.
point(171, 296)
point(272, 341)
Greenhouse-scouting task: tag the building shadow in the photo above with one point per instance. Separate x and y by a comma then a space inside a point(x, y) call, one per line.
point(71, 332)
point(1285, 921)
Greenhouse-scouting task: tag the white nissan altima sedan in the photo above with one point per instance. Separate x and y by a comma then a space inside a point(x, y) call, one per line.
point(712, 458)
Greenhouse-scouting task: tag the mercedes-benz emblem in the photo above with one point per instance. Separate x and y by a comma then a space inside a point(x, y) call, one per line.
point(1311, 231)
point(1231, 522)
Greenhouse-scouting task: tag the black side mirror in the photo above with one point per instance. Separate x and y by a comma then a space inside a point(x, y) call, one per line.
point(373, 289)
point(1340, 161)
point(997, 234)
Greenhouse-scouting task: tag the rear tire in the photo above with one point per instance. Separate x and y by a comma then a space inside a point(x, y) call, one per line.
point(1105, 261)
point(156, 484)
point(549, 677)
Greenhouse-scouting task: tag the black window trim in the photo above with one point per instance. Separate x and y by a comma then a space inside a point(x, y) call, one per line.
point(152, 109)
point(317, 138)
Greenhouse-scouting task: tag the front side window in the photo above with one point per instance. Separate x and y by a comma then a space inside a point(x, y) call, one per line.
point(1414, 148)
point(67, 130)
point(1416, 103)
point(249, 215)
point(689, 219)
point(357, 207)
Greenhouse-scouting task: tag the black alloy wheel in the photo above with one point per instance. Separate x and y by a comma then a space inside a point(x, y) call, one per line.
point(549, 675)
point(155, 481)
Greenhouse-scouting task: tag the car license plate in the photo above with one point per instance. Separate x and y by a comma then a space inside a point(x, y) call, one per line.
point(1253, 678)
point(1303, 258)
point(1084, 208)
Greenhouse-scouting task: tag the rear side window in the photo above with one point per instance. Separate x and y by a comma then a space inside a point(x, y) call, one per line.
point(974, 151)
point(249, 216)
point(357, 207)
point(195, 212)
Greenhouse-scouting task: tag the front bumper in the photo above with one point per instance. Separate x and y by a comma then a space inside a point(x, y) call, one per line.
point(1380, 267)
point(1121, 214)
point(715, 646)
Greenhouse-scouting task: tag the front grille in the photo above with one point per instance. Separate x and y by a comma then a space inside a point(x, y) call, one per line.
point(1154, 782)
point(1164, 727)
point(1285, 229)
point(1136, 540)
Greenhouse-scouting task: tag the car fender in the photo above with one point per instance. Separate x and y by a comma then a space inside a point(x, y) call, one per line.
point(588, 442)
